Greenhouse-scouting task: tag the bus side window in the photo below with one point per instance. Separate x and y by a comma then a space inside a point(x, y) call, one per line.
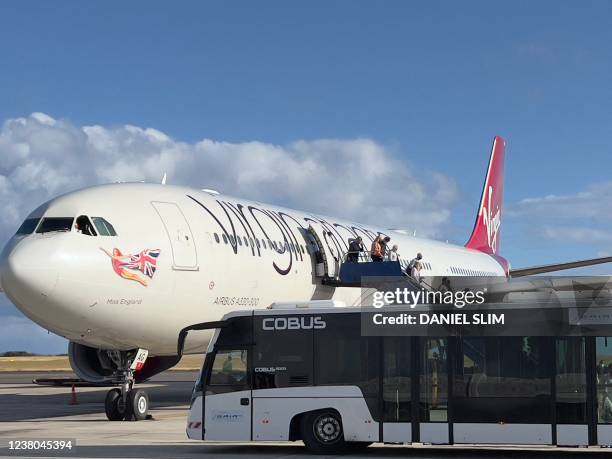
point(229, 368)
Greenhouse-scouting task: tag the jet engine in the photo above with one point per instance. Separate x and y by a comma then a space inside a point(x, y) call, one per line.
point(100, 366)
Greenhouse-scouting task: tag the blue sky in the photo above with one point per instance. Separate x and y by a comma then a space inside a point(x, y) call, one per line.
point(430, 82)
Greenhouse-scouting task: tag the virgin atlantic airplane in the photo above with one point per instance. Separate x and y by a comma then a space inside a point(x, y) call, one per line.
point(120, 269)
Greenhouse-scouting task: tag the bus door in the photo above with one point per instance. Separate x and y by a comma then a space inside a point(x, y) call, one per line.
point(433, 384)
point(227, 401)
point(603, 389)
point(397, 389)
point(572, 426)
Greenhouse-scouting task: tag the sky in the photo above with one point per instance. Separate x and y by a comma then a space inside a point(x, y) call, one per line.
point(382, 112)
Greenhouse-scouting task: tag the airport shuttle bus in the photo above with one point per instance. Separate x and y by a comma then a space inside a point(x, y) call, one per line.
point(309, 374)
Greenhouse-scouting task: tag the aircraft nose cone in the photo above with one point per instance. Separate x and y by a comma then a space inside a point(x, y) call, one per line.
point(28, 274)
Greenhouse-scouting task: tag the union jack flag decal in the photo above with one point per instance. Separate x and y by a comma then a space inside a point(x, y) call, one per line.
point(145, 262)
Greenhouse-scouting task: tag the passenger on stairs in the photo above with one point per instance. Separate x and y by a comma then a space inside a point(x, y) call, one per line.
point(355, 248)
point(413, 262)
point(384, 244)
point(393, 255)
point(377, 249)
point(445, 286)
point(416, 272)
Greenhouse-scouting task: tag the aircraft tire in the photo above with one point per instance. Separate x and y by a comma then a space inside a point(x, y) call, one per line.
point(138, 404)
point(113, 405)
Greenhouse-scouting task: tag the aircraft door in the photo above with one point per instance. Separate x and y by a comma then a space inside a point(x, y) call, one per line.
point(181, 239)
point(327, 260)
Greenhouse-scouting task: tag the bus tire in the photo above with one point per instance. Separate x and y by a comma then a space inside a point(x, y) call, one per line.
point(322, 432)
point(357, 446)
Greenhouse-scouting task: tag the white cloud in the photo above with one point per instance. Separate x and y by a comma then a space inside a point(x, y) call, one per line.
point(359, 179)
point(594, 203)
point(573, 234)
point(582, 218)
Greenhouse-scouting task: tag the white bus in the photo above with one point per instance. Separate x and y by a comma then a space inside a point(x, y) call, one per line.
point(310, 375)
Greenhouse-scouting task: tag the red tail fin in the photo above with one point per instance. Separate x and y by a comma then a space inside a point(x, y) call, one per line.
point(485, 236)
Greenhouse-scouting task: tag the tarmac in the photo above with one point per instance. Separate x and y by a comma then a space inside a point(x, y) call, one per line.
point(31, 412)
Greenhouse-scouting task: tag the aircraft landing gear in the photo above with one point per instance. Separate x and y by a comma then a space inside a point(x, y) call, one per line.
point(126, 402)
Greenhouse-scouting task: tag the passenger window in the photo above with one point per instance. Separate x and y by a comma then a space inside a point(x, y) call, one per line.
point(246, 242)
point(84, 226)
point(28, 226)
point(224, 238)
point(291, 349)
point(51, 224)
point(239, 241)
point(217, 238)
point(104, 227)
point(263, 242)
point(229, 368)
point(345, 357)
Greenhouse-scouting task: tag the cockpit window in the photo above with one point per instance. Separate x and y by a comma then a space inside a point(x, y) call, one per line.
point(50, 224)
point(104, 227)
point(84, 226)
point(28, 226)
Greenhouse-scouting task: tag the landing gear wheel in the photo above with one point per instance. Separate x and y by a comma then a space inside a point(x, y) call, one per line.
point(114, 405)
point(322, 432)
point(138, 403)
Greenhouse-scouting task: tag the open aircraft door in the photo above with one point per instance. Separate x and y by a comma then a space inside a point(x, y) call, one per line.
point(327, 261)
point(181, 239)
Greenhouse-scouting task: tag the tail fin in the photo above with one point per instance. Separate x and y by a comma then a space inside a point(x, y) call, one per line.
point(485, 236)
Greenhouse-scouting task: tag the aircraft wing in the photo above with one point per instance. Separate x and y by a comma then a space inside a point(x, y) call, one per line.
point(558, 267)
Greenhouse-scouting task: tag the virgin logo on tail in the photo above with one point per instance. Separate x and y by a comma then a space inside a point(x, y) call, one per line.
point(491, 222)
point(486, 234)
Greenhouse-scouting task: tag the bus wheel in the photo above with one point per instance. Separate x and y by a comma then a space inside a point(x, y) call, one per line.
point(322, 432)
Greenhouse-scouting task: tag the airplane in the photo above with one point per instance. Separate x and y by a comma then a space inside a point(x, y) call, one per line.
point(120, 269)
